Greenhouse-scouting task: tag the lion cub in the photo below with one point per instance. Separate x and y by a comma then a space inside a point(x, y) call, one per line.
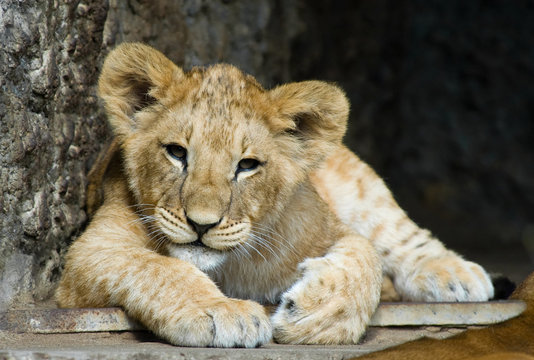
point(224, 196)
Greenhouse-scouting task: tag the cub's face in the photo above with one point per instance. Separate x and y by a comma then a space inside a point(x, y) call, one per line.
point(211, 157)
point(208, 167)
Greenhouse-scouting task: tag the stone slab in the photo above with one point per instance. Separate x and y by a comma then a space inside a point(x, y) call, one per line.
point(388, 314)
point(143, 345)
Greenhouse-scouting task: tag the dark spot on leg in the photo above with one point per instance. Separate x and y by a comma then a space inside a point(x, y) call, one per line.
point(421, 244)
point(340, 312)
point(256, 322)
point(407, 239)
point(452, 287)
point(291, 306)
point(466, 289)
point(213, 327)
point(242, 325)
point(419, 258)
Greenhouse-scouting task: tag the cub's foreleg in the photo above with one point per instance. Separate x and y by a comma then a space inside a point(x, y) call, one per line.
point(109, 265)
point(335, 296)
point(419, 265)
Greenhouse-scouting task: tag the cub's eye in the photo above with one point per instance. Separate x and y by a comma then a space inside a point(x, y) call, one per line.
point(247, 165)
point(176, 151)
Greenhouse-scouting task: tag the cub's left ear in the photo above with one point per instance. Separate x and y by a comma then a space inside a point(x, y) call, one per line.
point(314, 110)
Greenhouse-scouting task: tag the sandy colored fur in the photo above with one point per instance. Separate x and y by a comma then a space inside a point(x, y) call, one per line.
point(419, 265)
point(311, 228)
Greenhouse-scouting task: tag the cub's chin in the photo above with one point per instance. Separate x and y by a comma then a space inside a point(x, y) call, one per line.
point(203, 257)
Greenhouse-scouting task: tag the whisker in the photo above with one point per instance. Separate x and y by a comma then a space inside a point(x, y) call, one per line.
point(256, 250)
point(158, 240)
point(261, 242)
point(241, 252)
point(269, 230)
point(154, 229)
point(139, 209)
point(280, 241)
point(154, 234)
point(142, 219)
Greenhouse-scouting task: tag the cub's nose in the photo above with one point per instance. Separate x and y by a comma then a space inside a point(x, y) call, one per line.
point(201, 229)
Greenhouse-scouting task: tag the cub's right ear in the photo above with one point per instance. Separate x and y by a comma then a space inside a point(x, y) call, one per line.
point(134, 77)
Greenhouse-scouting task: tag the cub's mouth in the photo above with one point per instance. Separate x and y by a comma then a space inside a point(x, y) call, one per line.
point(197, 253)
point(197, 242)
point(207, 246)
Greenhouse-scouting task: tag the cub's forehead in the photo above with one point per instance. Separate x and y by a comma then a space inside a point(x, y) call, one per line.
point(222, 84)
point(221, 94)
point(222, 104)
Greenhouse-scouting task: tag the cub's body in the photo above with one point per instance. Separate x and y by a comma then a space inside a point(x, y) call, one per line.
point(223, 194)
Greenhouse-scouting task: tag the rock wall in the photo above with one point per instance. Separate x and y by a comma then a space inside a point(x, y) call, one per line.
point(51, 127)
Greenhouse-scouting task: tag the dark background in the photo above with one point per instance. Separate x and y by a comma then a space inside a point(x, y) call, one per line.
point(442, 107)
point(442, 99)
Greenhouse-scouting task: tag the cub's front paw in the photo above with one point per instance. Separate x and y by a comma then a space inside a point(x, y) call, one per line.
point(449, 278)
point(221, 323)
point(330, 304)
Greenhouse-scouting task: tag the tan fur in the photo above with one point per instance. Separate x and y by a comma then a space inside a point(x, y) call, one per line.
point(421, 268)
point(510, 340)
point(299, 230)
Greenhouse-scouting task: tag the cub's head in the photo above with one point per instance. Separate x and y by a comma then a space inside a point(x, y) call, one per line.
point(211, 157)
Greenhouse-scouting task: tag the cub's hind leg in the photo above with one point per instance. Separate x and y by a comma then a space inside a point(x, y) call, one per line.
point(419, 265)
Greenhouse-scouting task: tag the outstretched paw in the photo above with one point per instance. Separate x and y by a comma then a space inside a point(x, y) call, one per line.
point(224, 323)
point(330, 304)
point(449, 278)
